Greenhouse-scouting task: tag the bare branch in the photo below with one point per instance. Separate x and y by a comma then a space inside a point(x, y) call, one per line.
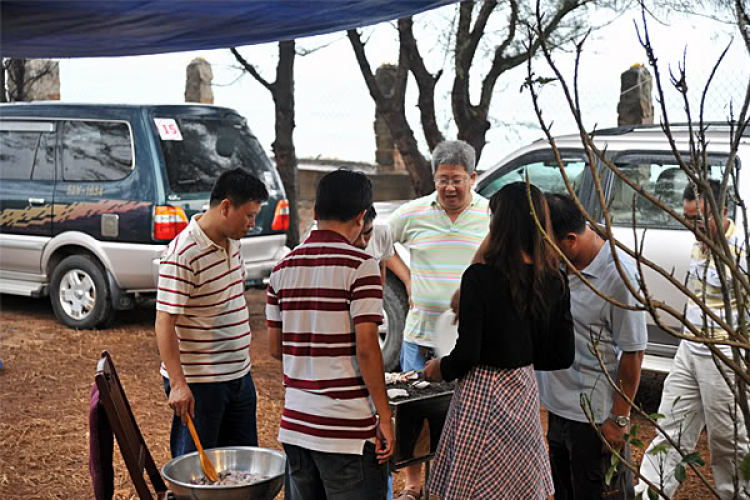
point(251, 69)
point(651, 306)
point(364, 66)
point(305, 51)
point(674, 443)
point(743, 21)
point(710, 79)
point(502, 63)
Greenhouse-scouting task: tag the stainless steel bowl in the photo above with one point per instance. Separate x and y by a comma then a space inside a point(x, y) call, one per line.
point(179, 471)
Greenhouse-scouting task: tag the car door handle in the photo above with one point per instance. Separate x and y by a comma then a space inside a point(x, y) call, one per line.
point(36, 201)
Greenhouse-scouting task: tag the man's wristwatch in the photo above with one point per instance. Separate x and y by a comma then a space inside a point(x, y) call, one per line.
point(620, 420)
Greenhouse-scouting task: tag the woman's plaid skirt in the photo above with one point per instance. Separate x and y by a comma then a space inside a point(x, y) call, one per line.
point(492, 446)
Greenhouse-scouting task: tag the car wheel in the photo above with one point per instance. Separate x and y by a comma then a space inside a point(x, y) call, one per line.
point(79, 293)
point(395, 308)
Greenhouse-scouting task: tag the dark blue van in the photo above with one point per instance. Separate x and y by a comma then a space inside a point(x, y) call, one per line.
point(90, 194)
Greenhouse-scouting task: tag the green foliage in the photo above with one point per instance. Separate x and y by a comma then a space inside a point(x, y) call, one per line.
point(656, 416)
point(637, 443)
point(679, 473)
point(745, 468)
point(694, 458)
point(652, 494)
point(662, 448)
point(631, 437)
point(614, 461)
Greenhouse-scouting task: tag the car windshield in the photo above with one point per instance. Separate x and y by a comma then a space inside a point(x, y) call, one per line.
point(543, 172)
point(201, 149)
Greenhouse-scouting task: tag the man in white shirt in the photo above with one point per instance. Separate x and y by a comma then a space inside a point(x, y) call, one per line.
point(376, 240)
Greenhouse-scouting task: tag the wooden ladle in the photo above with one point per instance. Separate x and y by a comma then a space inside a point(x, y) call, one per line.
point(206, 465)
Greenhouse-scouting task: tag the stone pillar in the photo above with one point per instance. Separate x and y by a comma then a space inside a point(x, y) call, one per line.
point(635, 106)
point(385, 76)
point(198, 82)
point(40, 80)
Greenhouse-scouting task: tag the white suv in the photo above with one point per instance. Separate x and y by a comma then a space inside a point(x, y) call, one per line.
point(644, 154)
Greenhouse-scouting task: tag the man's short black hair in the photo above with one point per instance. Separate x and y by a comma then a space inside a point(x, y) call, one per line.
point(370, 214)
point(565, 216)
point(714, 184)
point(342, 195)
point(238, 186)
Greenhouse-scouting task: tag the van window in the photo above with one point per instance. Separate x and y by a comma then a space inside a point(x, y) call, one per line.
point(544, 173)
point(27, 155)
point(659, 176)
point(17, 154)
point(96, 151)
point(210, 147)
point(44, 161)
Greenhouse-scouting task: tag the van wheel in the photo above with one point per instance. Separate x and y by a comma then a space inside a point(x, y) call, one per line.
point(395, 308)
point(79, 293)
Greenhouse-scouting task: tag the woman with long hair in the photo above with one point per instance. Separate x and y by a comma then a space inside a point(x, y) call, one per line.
point(514, 317)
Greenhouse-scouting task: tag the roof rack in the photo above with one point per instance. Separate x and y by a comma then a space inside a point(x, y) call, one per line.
point(624, 129)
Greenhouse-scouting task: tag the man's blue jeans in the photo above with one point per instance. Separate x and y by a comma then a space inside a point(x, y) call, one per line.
point(224, 416)
point(315, 475)
point(413, 356)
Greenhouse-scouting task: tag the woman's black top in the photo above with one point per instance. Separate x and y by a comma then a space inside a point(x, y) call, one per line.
point(492, 333)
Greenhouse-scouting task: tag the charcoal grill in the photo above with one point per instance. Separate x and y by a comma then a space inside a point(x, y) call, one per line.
point(418, 421)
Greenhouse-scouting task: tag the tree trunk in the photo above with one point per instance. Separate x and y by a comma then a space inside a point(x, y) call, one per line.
point(283, 146)
point(17, 74)
point(3, 89)
point(282, 91)
point(392, 109)
point(474, 131)
point(425, 81)
point(417, 165)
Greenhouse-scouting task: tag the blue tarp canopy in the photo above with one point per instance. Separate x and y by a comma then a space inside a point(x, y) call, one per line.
point(62, 28)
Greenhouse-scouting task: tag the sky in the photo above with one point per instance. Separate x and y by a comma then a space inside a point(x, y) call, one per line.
point(335, 114)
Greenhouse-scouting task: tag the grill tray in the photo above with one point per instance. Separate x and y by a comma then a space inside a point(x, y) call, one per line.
point(409, 415)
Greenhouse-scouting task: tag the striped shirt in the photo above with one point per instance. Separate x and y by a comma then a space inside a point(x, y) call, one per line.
point(703, 268)
point(440, 251)
point(205, 286)
point(316, 295)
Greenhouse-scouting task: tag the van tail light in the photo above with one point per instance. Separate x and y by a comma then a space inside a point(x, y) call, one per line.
point(281, 216)
point(168, 222)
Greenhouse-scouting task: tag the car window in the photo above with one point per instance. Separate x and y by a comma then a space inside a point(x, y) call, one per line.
point(44, 160)
point(96, 151)
point(660, 177)
point(208, 147)
point(543, 173)
point(17, 154)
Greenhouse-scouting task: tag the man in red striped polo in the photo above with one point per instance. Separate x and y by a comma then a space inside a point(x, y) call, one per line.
point(324, 308)
point(202, 321)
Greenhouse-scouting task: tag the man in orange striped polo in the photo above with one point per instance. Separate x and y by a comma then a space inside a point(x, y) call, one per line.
point(202, 322)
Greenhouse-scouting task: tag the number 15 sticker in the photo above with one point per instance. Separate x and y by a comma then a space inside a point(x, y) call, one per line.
point(168, 129)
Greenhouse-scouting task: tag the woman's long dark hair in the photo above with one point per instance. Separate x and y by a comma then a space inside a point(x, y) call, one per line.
point(513, 232)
